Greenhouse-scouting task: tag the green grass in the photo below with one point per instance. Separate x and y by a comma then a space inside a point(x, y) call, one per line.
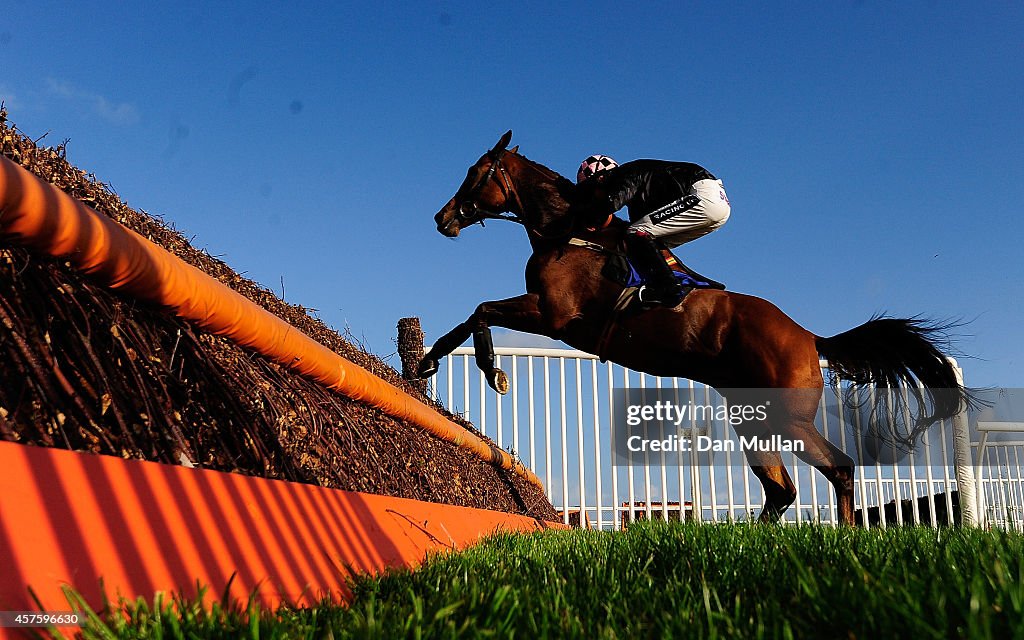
point(654, 580)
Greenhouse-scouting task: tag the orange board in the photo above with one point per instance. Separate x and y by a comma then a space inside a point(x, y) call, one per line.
point(74, 518)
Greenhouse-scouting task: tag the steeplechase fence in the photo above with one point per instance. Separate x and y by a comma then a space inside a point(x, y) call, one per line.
point(76, 518)
point(559, 419)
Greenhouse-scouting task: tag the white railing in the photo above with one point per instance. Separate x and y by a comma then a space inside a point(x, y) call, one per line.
point(999, 477)
point(557, 419)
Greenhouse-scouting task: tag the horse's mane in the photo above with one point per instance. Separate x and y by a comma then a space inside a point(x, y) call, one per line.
point(551, 174)
point(554, 192)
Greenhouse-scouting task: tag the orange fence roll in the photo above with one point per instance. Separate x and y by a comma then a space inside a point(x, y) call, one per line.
point(40, 217)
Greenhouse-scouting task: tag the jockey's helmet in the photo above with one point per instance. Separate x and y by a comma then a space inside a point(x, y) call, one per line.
point(594, 164)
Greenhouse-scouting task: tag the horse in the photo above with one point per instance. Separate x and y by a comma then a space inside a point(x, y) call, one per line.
point(727, 340)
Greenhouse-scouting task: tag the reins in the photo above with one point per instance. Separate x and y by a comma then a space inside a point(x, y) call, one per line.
point(477, 214)
point(470, 212)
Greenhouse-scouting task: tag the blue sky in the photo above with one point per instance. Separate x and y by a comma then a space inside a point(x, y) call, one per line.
point(872, 151)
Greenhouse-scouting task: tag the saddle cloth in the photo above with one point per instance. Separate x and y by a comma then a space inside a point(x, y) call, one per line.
point(619, 268)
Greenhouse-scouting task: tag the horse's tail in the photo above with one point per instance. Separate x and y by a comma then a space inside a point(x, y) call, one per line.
point(889, 351)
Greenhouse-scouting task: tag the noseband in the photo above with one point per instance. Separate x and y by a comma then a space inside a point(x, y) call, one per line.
point(470, 212)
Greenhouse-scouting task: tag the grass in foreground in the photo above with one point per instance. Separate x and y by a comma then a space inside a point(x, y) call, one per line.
point(656, 580)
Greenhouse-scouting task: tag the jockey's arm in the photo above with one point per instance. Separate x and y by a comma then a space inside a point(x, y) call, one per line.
point(619, 185)
point(600, 197)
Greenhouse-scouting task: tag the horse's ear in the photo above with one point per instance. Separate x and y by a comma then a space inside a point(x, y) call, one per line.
point(503, 143)
point(514, 149)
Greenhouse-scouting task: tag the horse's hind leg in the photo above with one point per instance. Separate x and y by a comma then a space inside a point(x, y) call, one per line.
point(794, 421)
point(779, 490)
point(836, 466)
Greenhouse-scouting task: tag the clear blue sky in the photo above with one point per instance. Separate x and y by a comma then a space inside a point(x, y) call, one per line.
point(871, 150)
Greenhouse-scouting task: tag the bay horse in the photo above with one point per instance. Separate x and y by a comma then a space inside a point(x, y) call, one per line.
point(727, 340)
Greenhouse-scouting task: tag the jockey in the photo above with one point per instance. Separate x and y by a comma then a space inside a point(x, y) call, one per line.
point(669, 203)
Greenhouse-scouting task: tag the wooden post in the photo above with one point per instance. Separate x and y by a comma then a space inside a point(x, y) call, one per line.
point(410, 350)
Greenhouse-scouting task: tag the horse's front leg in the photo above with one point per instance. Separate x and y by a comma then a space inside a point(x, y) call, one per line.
point(521, 313)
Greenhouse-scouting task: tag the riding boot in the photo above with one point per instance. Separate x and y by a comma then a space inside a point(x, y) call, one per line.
point(662, 288)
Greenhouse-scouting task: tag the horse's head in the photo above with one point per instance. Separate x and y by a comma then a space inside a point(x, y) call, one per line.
point(487, 192)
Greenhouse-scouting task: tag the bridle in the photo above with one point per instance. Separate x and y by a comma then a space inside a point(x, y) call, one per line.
point(475, 213)
point(470, 212)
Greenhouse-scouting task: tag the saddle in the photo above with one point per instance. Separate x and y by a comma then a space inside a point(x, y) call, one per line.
point(620, 269)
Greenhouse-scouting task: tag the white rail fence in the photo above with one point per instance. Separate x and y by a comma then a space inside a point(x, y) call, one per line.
point(558, 418)
point(1000, 482)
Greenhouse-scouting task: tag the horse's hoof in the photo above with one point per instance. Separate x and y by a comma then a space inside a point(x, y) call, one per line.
point(498, 381)
point(427, 368)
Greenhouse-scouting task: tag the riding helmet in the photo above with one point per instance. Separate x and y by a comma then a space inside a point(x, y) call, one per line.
point(593, 164)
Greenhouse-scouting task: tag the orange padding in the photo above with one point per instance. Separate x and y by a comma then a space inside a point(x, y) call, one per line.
point(43, 218)
point(74, 518)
